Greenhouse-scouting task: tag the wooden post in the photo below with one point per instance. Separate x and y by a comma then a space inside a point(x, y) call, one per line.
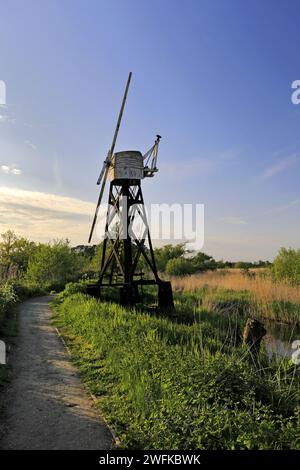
point(254, 332)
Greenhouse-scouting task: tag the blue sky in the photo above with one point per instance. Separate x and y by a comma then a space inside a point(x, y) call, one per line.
point(212, 77)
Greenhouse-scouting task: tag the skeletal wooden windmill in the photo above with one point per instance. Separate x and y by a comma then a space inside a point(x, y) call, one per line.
point(123, 244)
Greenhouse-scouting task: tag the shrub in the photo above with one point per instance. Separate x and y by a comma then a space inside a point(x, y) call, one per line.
point(179, 267)
point(24, 291)
point(73, 288)
point(8, 298)
point(287, 266)
point(15, 253)
point(52, 266)
point(168, 252)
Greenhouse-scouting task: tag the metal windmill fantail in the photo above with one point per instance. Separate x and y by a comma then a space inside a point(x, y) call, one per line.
point(123, 244)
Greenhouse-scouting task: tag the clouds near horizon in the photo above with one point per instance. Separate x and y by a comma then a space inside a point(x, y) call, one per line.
point(43, 216)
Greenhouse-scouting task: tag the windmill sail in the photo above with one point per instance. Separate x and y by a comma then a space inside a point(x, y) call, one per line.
point(107, 161)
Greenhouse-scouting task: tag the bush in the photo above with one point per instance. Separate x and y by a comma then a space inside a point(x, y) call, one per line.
point(179, 267)
point(15, 253)
point(203, 262)
point(8, 298)
point(287, 266)
point(73, 288)
point(52, 266)
point(24, 291)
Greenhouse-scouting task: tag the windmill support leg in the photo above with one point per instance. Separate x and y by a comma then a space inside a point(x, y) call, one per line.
point(165, 295)
point(122, 248)
point(128, 295)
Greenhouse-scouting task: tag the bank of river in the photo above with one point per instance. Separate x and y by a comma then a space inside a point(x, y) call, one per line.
point(279, 338)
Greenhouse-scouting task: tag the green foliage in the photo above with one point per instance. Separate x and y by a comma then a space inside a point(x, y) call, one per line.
point(173, 385)
point(243, 265)
point(95, 261)
point(179, 267)
point(15, 253)
point(280, 311)
point(286, 266)
point(168, 252)
point(52, 266)
point(177, 260)
point(172, 259)
point(228, 301)
point(242, 303)
point(202, 262)
point(90, 258)
point(73, 288)
point(8, 298)
point(8, 326)
point(24, 291)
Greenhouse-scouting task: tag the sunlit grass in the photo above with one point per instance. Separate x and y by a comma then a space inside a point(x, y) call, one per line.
point(260, 285)
point(179, 383)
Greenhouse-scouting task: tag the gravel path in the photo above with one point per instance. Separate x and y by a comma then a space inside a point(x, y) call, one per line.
point(47, 406)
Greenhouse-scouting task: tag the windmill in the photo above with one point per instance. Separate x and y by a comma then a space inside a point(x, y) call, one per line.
point(127, 237)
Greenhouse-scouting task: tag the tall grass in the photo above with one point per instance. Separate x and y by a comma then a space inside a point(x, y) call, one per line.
point(275, 300)
point(165, 384)
point(262, 287)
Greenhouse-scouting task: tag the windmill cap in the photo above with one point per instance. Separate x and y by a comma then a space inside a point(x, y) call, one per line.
point(128, 153)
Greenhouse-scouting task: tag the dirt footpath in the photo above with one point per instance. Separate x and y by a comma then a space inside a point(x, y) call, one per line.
point(47, 406)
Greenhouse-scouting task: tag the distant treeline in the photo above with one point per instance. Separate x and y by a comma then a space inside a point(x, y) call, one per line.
point(179, 260)
point(49, 266)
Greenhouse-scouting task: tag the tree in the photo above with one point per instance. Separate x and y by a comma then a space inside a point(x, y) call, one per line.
point(179, 267)
point(95, 262)
point(53, 265)
point(168, 252)
point(286, 265)
point(90, 258)
point(15, 253)
point(202, 262)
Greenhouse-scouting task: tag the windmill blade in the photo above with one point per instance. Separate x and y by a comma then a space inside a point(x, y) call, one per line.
point(112, 148)
point(98, 203)
point(107, 161)
point(111, 152)
point(105, 164)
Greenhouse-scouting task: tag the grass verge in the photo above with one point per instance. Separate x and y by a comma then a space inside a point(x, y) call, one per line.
point(165, 384)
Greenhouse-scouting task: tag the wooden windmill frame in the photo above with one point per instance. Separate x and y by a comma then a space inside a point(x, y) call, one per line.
point(122, 246)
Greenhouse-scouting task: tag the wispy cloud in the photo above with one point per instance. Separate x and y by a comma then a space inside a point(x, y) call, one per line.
point(45, 216)
point(54, 202)
point(30, 144)
point(11, 169)
point(280, 166)
point(232, 220)
point(283, 207)
point(5, 119)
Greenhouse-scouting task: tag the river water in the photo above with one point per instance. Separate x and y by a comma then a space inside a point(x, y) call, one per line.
point(279, 338)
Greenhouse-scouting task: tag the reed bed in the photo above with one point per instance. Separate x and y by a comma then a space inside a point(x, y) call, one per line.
point(260, 285)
